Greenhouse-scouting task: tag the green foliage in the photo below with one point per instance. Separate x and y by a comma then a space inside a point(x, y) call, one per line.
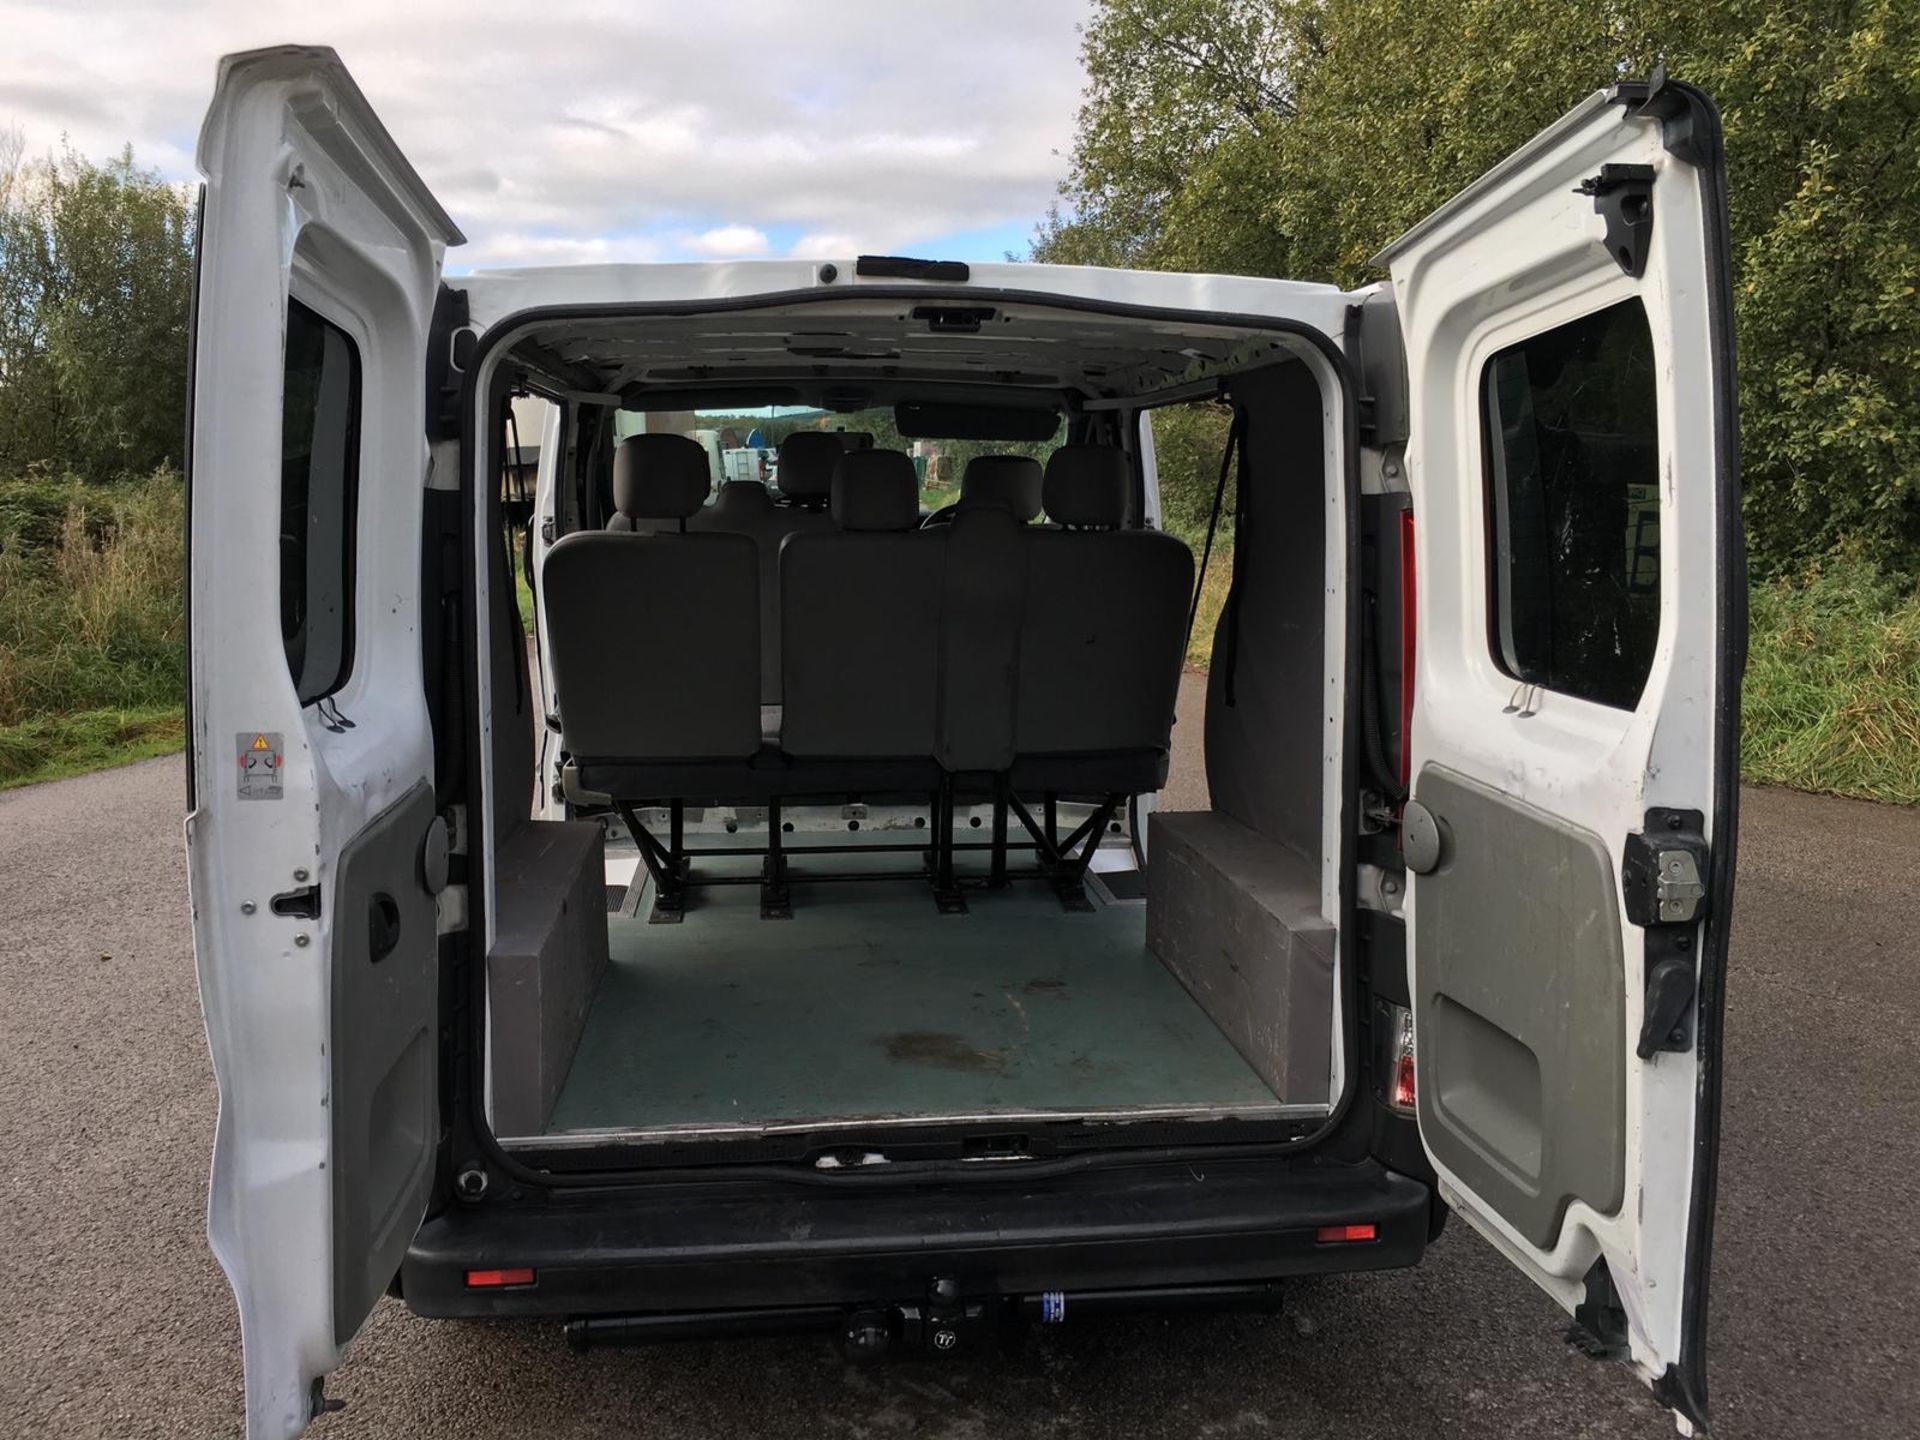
point(1297, 137)
point(96, 268)
point(56, 746)
point(1187, 443)
point(1833, 685)
point(92, 620)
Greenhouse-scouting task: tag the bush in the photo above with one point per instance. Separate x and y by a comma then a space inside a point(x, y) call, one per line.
point(91, 616)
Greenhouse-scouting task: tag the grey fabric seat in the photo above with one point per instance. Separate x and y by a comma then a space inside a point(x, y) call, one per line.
point(655, 638)
point(860, 611)
point(805, 471)
point(1103, 635)
point(1012, 481)
point(744, 507)
point(633, 510)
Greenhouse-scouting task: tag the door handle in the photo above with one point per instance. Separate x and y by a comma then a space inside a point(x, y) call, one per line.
point(383, 927)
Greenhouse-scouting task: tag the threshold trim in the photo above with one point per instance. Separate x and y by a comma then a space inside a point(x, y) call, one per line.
point(699, 1130)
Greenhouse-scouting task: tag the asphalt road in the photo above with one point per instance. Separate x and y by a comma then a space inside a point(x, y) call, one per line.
point(114, 1319)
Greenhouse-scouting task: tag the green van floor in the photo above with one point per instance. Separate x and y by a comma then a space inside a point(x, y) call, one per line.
point(871, 1004)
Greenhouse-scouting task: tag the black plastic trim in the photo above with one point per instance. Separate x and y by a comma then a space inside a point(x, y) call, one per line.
point(718, 1246)
point(475, 1138)
point(186, 486)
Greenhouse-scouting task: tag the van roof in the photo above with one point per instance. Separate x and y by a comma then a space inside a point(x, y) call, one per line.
point(497, 294)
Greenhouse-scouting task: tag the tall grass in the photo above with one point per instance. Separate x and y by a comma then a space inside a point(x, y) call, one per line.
point(91, 625)
point(1833, 685)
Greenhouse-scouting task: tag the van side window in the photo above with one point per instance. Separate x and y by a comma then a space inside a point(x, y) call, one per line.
point(319, 474)
point(1573, 506)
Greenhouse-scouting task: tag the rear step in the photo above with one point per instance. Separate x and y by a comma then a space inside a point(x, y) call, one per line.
point(945, 1323)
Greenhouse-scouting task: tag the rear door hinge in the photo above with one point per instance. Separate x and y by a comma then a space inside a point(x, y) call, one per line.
point(1663, 885)
point(1623, 196)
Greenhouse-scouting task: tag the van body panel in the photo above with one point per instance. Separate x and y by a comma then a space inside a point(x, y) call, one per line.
point(1579, 645)
point(314, 924)
point(498, 295)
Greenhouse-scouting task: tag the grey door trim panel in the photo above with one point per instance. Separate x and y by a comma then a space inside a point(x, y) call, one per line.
point(384, 1097)
point(1520, 1006)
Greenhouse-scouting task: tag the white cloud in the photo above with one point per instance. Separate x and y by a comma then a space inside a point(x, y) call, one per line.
point(616, 131)
point(728, 242)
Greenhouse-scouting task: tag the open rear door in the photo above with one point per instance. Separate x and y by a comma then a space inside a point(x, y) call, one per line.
point(1581, 634)
point(316, 849)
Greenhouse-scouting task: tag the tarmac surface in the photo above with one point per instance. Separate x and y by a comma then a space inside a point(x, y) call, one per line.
point(114, 1319)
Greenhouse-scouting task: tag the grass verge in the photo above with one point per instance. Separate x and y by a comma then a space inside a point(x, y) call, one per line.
point(1213, 599)
point(91, 625)
point(1832, 697)
point(54, 747)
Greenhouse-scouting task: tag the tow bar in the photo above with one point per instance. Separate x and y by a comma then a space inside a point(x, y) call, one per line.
point(943, 1323)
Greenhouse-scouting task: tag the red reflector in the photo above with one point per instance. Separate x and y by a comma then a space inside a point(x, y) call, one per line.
point(1403, 1082)
point(494, 1279)
point(1344, 1234)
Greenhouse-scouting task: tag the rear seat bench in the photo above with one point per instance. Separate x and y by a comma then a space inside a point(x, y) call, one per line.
point(985, 657)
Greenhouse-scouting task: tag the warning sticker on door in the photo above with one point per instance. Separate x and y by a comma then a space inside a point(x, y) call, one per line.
point(261, 758)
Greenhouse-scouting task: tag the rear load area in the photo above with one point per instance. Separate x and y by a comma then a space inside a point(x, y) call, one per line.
point(874, 1005)
point(843, 831)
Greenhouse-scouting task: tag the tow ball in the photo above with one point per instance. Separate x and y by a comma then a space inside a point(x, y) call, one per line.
point(943, 1324)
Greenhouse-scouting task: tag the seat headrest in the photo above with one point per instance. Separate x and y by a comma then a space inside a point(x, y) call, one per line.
point(876, 490)
point(1087, 486)
point(1009, 480)
point(740, 499)
point(660, 477)
point(807, 458)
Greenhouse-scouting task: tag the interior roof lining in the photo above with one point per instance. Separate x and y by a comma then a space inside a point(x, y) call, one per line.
point(880, 344)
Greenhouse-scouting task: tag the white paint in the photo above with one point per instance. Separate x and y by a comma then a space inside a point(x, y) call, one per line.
point(360, 242)
point(1519, 254)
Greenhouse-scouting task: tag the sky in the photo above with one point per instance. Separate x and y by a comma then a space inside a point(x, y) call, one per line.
point(564, 132)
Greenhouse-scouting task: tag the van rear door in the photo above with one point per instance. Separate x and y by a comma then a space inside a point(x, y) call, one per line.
point(315, 845)
point(1581, 634)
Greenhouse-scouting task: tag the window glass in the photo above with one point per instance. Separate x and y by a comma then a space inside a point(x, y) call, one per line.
point(744, 444)
point(1574, 506)
point(319, 462)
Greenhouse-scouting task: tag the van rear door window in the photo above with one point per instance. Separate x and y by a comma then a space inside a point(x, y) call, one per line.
point(319, 475)
point(1573, 512)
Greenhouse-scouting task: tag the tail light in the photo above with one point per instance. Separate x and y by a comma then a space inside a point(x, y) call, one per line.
point(1363, 1234)
point(1393, 1069)
point(500, 1279)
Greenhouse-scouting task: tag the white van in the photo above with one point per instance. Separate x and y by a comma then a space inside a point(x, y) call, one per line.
point(792, 940)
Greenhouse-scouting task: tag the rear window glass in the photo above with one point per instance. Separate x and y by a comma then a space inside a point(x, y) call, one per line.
point(319, 472)
point(1574, 506)
point(745, 444)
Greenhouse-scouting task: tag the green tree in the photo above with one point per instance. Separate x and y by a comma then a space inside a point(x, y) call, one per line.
point(96, 270)
point(1297, 137)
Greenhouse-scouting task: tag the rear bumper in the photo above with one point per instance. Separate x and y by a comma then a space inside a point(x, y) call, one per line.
point(722, 1247)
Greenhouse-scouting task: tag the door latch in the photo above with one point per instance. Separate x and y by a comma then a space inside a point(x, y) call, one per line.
point(1663, 883)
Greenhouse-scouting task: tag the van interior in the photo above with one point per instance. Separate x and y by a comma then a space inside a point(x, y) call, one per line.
point(823, 815)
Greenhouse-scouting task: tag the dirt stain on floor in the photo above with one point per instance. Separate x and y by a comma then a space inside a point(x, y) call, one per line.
point(942, 1050)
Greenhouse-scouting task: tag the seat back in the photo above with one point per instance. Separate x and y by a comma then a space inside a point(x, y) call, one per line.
point(1012, 481)
point(860, 613)
point(655, 637)
point(660, 504)
point(1102, 640)
point(744, 507)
